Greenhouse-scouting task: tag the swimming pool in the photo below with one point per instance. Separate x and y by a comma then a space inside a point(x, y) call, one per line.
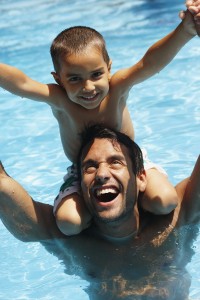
point(165, 110)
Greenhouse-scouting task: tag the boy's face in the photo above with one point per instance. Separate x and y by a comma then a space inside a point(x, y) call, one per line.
point(85, 77)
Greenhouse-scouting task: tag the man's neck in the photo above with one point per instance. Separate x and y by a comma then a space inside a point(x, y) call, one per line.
point(120, 229)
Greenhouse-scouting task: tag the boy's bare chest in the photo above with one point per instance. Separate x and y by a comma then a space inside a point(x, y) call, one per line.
point(72, 123)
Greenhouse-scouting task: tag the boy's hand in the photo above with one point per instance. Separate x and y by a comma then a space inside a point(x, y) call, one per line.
point(193, 7)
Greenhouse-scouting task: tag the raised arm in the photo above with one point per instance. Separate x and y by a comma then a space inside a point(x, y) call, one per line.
point(189, 192)
point(18, 83)
point(25, 218)
point(158, 55)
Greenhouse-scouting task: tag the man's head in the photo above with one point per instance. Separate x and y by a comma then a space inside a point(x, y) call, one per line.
point(112, 173)
point(82, 65)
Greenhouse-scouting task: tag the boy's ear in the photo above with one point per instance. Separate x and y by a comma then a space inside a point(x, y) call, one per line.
point(56, 78)
point(109, 68)
point(109, 65)
point(142, 181)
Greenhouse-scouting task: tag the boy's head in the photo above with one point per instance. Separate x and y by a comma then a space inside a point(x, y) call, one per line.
point(82, 65)
point(74, 40)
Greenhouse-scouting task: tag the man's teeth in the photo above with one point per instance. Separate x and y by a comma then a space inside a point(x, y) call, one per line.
point(106, 191)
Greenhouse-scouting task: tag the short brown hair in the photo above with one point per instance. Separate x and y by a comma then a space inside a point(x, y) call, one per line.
point(100, 131)
point(74, 40)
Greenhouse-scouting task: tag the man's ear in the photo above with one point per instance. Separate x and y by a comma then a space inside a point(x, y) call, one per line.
point(142, 181)
point(56, 78)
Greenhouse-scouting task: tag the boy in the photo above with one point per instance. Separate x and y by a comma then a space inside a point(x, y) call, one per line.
point(86, 93)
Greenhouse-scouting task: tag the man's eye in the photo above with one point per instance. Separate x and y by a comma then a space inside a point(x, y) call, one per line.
point(116, 163)
point(89, 169)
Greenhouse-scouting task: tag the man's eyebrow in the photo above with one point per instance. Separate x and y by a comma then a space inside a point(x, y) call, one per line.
point(109, 159)
point(118, 157)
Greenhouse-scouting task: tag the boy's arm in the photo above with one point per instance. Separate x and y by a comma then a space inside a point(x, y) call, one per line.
point(158, 55)
point(18, 83)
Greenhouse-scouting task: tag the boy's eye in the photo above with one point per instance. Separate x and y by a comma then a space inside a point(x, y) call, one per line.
point(74, 79)
point(97, 74)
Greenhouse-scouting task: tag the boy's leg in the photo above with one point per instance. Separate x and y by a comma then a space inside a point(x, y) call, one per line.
point(160, 196)
point(72, 215)
point(70, 211)
point(25, 218)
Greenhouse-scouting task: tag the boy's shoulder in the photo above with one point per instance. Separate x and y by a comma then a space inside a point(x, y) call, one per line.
point(57, 97)
point(119, 86)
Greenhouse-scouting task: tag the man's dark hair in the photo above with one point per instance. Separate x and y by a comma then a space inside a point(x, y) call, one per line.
point(101, 132)
point(74, 40)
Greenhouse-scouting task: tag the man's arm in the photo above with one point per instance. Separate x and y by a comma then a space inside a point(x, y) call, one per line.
point(189, 191)
point(25, 218)
point(18, 83)
point(159, 55)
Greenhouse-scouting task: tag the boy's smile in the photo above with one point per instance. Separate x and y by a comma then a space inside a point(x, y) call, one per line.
point(85, 77)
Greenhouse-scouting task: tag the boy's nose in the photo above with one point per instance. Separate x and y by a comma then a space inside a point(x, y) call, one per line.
point(88, 86)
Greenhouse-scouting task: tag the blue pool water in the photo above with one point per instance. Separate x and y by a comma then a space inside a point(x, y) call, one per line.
point(165, 110)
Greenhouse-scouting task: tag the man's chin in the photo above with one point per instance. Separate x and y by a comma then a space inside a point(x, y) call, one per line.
point(109, 219)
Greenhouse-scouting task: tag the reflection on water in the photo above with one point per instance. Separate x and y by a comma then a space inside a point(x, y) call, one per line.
point(166, 114)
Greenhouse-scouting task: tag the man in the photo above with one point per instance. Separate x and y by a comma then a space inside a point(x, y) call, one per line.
point(129, 253)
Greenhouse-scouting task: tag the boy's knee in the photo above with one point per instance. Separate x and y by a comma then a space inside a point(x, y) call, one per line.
point(168, 200)
point(68, 226)
point(68, 223)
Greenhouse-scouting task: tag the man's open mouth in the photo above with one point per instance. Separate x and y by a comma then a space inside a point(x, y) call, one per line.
point(106, 194)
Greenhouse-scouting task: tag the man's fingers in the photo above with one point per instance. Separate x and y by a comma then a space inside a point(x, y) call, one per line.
point(182, 14)
point(197, 23)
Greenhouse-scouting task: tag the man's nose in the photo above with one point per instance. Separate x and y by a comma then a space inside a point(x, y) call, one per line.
point(88, 86)
point(102, 174)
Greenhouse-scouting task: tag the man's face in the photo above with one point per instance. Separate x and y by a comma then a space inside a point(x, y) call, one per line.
point(109, 186)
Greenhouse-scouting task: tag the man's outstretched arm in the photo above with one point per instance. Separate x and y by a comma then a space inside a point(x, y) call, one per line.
point(189, 192)
point(25, 218)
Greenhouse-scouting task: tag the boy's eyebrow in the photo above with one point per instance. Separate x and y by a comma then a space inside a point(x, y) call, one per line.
point(72, 74)
point(93, 71)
